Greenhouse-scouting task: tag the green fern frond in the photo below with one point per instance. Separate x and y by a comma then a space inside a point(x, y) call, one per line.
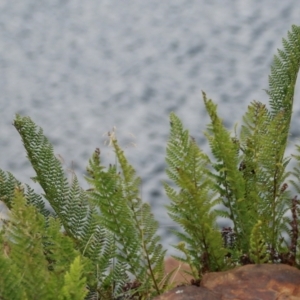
point(7, 187)
point(263, 169)
point(69, 203)
point(106, 195)
point(37, 201)
point(59, 248)
point(230, 181)
point(282, 81)
point(258, 248)
point(145, 226)
point(191, 207)
point(25, 241)
point(50, 174)
point(10, 278)
point(76, 209)
point(74, 284)
point(122, 212)
point(284, 73)
point(8, 183)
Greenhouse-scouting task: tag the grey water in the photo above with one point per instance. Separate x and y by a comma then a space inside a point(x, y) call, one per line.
point(82, 68)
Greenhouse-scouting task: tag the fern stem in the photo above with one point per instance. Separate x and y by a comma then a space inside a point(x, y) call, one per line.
point(150, 269)
point(232, 214)
point(274, 211)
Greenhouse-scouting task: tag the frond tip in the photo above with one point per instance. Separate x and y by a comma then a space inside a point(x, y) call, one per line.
point(75, 284)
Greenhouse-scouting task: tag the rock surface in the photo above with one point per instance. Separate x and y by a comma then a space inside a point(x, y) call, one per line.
point(260, 282)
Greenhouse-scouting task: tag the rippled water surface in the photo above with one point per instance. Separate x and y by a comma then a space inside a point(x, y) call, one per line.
point(81, 68)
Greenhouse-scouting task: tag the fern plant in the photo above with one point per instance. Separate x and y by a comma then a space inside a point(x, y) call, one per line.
point(116, 193)
point(248, 173)
point(111, 232)
point(102, 243)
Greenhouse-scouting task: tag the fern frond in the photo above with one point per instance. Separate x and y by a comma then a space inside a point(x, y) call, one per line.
point(76, 209)
point(59, 248)
point(192, 206)
point(50, 174)
point(106, 195)
point(70, 203)
point(10, 279)
point(25, 240)
point(284, 73)
point(7, 187)
point(37, 201)
point(123, 213)
point(258, 248)
point(145, 226)
point(231, 183)
point(74, 284)
point(263, 169)
point(8, 183)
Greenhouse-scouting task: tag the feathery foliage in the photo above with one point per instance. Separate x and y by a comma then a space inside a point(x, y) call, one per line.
point(37, 262)
point(258, 249)
point(248, 173)
point(109, 226)
point(116, 194)
point(69, 243)
point(74, 288)
point(192, 205)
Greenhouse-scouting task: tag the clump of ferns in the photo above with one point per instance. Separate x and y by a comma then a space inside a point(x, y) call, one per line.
point(260, 251)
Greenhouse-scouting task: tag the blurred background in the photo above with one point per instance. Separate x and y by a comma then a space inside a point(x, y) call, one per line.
point(81, 68)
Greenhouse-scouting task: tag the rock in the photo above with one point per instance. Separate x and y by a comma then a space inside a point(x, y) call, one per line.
point(266, 281)
point(189, 292)
point(261, 282)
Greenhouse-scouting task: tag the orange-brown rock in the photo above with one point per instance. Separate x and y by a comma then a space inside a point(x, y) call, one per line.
point(261, 282)
point(189, 292)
